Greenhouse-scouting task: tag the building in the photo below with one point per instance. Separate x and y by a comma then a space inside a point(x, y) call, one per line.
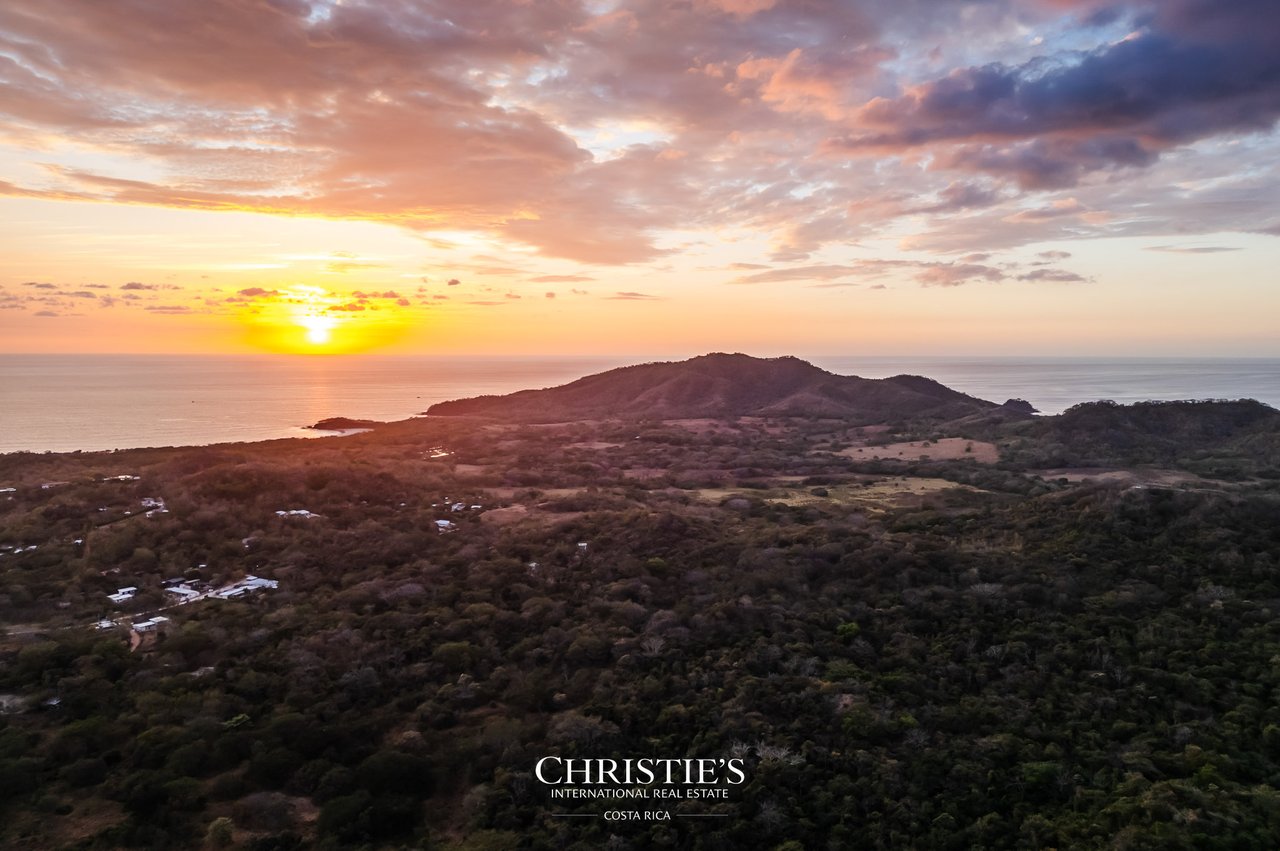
point(246, 586)
point(443, 526)
point(122, 594)
point(150, 625)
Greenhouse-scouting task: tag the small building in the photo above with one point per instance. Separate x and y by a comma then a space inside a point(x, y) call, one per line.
point(256, 582)
point(122, 594)
point(150, 625)
point(182, 592)
point(296, 512)
point(247, 586)
point(105, 624)
point(443, 526)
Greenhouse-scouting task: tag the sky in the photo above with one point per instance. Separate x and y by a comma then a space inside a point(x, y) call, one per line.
point(894, 177)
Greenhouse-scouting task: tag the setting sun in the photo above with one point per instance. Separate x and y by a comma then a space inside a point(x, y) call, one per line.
point(318, 328)
point(305, 319)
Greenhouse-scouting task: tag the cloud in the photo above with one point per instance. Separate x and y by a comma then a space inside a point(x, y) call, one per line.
point(607, 132)
point(174, 309)
point(561, 279)
point(956, 274)
point(41, 285)
point(798, 273)
point(549, 295)
point(961, 195)
point(1193, 249)
point(45, 313)
point(257, 292)
point(1055, 210)
point(1197, 69)
point(135, 285)
point(453, 282)
point(631, 296)
point(1056, 276)
point(970, 268)
point(349, 307)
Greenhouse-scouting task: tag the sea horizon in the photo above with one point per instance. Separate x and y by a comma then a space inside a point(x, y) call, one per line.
point(75, 402)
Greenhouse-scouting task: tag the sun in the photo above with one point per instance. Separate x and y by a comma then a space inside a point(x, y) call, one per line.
point(310, 320)
point(319, 328)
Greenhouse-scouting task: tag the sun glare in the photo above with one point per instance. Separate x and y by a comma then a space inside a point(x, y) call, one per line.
point(311, 320)
point(319, 328)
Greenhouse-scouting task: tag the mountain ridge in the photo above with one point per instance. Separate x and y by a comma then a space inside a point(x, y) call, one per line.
point(719, 384)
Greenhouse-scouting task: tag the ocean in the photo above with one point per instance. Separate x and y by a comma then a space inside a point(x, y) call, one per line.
point(64, 403)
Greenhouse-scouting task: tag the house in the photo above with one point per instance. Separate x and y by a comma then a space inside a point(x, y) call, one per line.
point(443, 526)
point(154, 505)
point(247, 586)
point(150, 625)
point(255, 583)
point(105, 624)
point(122, 594)
point(51, 485)
point(296, 512)
point(8, 490)
point(182, 593)
point(122, 478)
point(457, 506)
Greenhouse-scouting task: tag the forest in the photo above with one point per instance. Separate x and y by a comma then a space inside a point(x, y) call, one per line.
point(1036, 633)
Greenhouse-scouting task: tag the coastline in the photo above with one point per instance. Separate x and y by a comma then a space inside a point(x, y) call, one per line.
point(134, 402)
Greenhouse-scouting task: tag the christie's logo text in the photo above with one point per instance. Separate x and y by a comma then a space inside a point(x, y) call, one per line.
point(558, 771)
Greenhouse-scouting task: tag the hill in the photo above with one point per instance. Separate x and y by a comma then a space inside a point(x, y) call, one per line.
point(725, 385)
point(1219, 437)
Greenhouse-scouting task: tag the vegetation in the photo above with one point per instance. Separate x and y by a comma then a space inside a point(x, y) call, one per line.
point(905, 653)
